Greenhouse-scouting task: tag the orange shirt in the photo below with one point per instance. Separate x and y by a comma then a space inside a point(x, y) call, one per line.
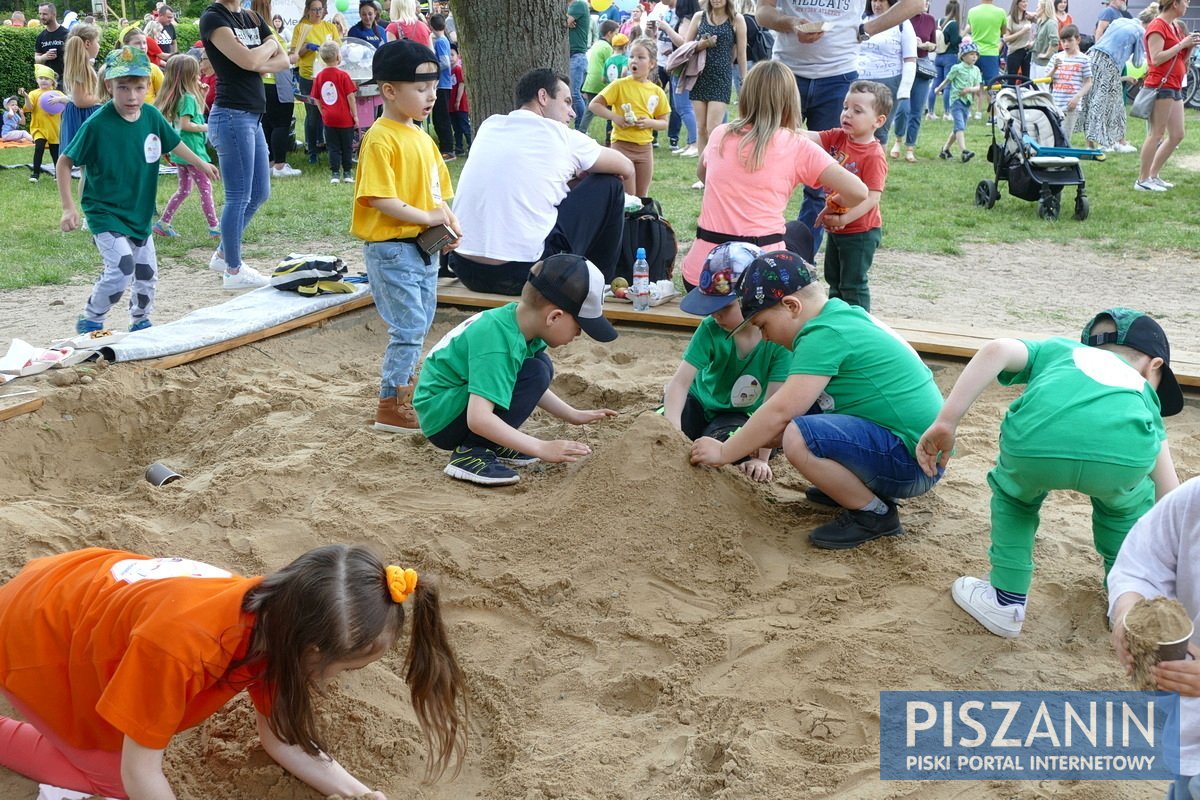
point(102, 644)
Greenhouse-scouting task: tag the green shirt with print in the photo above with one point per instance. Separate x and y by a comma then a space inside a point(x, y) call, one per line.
point(120, 159)
point(873, 373)
point(580, 35)
point(1081, 403)
point(188, 107)
point(615, 67)
point(481, 356)
point(601, 51)
point(725, 381)
point(963, 76)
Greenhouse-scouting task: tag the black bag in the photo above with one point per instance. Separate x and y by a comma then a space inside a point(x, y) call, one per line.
point(759, 41)
point(647, 228)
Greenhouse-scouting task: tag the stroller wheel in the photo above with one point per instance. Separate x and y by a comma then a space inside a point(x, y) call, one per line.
point(986, 194)
point(1081, 208)
point(1048, 207)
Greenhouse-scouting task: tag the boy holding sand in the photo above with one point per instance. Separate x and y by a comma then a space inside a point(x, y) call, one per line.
point(1089, 421)
point(484, 378)
point(875, 394)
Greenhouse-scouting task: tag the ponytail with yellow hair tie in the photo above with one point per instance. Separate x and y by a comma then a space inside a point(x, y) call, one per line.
point(401, 582)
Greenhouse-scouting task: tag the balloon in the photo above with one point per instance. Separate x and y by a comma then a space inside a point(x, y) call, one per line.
point(53, 102)
point(627, 5)
point(342, 5)
point(1135, 72)
point(601, 5)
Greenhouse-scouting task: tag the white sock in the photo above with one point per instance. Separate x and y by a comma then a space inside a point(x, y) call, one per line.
point(876, 506)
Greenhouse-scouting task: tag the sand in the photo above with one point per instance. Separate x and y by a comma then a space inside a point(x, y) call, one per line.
point(1151, 623)
point(631, 626)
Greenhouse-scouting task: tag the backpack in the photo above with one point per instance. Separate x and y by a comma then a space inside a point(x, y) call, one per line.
point(647, 228)
point(760, 42)
point(311, 275)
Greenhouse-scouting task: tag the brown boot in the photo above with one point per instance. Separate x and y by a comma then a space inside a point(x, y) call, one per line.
point(396, 414)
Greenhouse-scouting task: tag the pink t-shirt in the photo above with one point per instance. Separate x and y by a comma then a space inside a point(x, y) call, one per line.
point(418, 31)
point(739, 202)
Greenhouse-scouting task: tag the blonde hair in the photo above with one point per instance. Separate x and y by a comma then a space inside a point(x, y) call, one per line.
point(769, 101)
point(339, 22)
point(646, 44)
point(1045, 10)
point(329, 52)
point(1148, 13)
point(77, 63)
point(152, 28)
point(180, 79)
point(403, 11)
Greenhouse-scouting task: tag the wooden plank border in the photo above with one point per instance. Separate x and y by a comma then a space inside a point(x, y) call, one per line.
point(27, 407)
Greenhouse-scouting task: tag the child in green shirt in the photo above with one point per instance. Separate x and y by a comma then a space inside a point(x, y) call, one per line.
point(484, 378)
point(724, 376)
point(964, 80)
point(1090, 420)
point(597, 56)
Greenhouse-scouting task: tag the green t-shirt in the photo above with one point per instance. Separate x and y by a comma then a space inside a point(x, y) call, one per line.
point(986, 21)
point(481, 356)
point(873, 373)
point(724, 380)
point(962, 77)
point(121, 159)
point(580, 35)
point(1081, 403)
point(193, 139)
point(601, 51)
point(614, 67)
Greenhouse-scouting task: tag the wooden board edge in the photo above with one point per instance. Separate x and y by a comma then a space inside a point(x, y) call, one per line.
point(26, 407)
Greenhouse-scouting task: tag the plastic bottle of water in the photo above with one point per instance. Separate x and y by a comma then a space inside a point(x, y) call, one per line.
point(641, 282)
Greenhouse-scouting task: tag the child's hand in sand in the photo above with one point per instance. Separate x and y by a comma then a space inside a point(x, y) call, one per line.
point(562, 451)
point(1179, 676)
point(756, 470)
point(1117, 637)
point(935, 447)
point(584, 416)
point(708, 452)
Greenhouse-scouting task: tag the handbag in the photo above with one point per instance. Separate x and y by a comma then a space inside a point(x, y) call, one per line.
point(1143, 104)
point(926, 69)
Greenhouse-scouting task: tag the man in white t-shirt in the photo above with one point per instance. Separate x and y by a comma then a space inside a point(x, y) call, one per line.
point(824, 61)
point(517, 199)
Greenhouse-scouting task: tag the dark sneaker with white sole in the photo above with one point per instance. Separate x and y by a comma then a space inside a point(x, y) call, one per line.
point(815, 495)
point(479, 465)
point(852, 528)
point(514, 458)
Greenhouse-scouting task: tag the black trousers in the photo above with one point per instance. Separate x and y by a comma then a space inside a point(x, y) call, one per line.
point(277, 125)
point(441, 121)
point(339, 143)
point(591, 219)
point(533, 380)
point(314, 129)
point(39, 150)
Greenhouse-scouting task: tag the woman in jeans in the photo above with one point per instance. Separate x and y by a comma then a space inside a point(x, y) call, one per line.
point(889, 57)
point(943, 61)
point(1168, 47)
point(242, 49)
point(908, 116)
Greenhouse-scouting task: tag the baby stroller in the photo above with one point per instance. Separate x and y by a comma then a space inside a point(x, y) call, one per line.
point(1033, 157)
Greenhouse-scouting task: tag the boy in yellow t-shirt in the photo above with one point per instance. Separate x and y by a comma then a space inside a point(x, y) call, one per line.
point(402, 186)
point(637, 108)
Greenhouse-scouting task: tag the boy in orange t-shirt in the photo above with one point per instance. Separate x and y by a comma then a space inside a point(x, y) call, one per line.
point(854, 233)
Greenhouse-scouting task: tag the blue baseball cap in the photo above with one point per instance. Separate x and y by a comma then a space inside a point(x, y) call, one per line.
point(717, 286)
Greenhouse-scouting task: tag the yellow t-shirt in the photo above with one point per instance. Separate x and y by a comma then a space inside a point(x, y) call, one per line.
point(646, 99)
point(312, 34)
point(42, 125)
point(156, 82)
point(269, 77)
point(397, 160)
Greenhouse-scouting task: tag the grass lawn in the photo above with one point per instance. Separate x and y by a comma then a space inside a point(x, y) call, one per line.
point(928, 207)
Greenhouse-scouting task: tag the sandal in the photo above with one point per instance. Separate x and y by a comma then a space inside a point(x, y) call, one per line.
point(910, 157)
point(895, 150)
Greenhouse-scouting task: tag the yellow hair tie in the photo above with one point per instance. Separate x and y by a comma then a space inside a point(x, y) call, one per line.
point(401, 582)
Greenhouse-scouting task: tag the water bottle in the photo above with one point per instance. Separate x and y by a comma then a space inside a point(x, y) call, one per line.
point(641, 282)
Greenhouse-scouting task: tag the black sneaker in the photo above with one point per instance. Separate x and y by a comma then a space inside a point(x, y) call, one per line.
point(479, 465)
point(945, 155)
point(967, 155)
point(514, 458)
point(852, 528)
point(815, 495)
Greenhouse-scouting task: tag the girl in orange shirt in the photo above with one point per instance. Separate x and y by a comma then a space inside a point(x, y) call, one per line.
point(106, 655)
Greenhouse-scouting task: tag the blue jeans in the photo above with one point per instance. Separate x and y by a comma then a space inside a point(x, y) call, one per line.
point(684, 116)
point(821, 100)
point(875, 455)
point(943, 62)
point(960, 111)
point(989, 68)
point(405, 290)
point(893, 83)
point(1182, 788)
point(579, 67)
point(245, 170)
point(908, 120)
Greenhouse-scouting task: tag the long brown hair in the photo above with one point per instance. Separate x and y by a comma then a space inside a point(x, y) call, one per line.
point(180, 78)
point(333, 604)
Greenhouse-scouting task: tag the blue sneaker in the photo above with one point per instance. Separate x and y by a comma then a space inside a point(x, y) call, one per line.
point(479, 465)
point(83, 325)
point(140, 325)
point(514, 458)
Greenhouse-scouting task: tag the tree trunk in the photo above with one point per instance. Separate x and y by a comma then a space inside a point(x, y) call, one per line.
point(501, 40)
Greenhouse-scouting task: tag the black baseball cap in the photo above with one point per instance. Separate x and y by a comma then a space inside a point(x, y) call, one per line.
point(770, 278)
point(1139, 331)
point(575, 285)
point(402, 60)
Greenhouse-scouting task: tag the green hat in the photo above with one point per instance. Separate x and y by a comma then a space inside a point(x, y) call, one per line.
point(1142, 333)
point(126, 62)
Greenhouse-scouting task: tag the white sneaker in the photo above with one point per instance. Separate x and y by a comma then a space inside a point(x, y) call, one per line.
point(698, 185)
point(1148, 186)
point(286, 171)
point(245, 278)
point(335, 179)
point(217, 263)
point(978, 598)
point(1160, 182)
point(689, 152)
point(1125, 147)
point(978, 115)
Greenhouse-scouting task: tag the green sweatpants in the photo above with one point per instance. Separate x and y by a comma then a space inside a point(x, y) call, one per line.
point(848, 256)
point(1120, 496)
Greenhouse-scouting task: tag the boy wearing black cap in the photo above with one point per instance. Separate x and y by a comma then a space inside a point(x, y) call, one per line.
point(484, 378)
point(401, 192)
point(724, 377)
point(1090, 420)
point(875, 394)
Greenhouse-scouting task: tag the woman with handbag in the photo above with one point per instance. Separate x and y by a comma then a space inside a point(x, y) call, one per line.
point(946, 56)
point(1168, 45)
point(1103, 108)
point(908, 117)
